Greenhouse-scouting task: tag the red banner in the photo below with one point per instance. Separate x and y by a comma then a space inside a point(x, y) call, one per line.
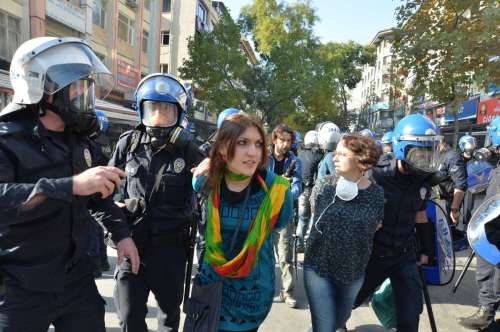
point(127, 75)
point(488, 110)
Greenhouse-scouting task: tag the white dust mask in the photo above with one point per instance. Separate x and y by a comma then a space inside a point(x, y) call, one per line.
point(347, 190)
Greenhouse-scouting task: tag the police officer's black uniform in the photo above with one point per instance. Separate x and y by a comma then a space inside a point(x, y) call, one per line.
point(44, 262)
point(310, 159)
point(394, 250)
point(97, 250)
point(160, 234)
point(454, 172)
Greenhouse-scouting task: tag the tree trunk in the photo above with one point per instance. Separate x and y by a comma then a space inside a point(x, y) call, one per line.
point(455, 124)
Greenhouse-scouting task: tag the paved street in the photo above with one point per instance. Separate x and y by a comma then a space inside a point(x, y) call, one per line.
point(447, 307)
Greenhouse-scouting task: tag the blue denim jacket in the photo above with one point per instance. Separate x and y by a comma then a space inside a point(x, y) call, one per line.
point(326, 166)
point(296, 183)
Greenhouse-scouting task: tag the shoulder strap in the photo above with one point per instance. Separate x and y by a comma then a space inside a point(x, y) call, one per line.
point(132, 141)
point(241, 213)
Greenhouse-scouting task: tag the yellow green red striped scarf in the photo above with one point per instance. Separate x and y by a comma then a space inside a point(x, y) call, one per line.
point(261, 227)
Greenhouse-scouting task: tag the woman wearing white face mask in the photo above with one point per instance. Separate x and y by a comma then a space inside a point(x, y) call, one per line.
point(348, 209)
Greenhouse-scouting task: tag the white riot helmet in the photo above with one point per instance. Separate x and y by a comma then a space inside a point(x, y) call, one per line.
point(328, 135)
point(327, 126)
point(328, 140)
point(65, 70)
point(311, 139)
point(47, 64)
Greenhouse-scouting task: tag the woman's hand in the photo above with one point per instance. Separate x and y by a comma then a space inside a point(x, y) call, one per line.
point(202, 169)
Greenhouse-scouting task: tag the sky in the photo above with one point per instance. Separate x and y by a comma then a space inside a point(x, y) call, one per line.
point(343, 20)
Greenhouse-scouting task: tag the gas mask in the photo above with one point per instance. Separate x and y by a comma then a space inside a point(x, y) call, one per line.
point(75, 105)
point(160, 119)
point(177, 137)
point(421, 162)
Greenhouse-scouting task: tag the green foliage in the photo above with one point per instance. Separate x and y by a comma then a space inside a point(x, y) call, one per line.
point(448, 45)
point(216, 64)
point(297, 79)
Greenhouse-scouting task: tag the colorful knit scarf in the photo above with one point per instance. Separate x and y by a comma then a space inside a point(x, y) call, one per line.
point(261, 227)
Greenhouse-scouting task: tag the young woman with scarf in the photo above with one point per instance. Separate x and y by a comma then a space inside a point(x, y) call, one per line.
point(347, 209)
point(237, 183)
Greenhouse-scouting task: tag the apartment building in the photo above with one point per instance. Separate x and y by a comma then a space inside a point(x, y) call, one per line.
point(180, 20)
point(376, 80)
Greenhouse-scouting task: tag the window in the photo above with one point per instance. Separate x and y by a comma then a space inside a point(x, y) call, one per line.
point(164, 68)
point(166, 7)
point(126, 28)
point(99, 15)
point(145, 41)
point(5, 98)
point(202, 13)
point(165, 38)
point(10, 30)
point(147, 4)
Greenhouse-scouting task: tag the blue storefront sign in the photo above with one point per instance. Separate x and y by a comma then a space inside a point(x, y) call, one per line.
point(467, 110)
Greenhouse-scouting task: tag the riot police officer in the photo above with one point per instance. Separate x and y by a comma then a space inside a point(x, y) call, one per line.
point(328, 137)
point(158, 156)
point(406, 190)
point(454, 184)
point(310, 157)
point(487, 275)
point(48, 182)
point(467, 145)
point(386, 141)
point(97, 250)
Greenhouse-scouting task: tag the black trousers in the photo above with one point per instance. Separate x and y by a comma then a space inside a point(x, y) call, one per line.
point(488, 284)
point(162, 272)
point(79, 308)
point(406, 283)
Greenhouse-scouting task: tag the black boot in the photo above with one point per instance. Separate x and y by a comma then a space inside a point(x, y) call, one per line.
point(479, 320)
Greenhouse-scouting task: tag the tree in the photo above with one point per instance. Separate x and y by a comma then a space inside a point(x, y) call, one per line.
point(448, 45)
point(297, 79)
point(343, 64)
point(284, 38)
point(217, 66)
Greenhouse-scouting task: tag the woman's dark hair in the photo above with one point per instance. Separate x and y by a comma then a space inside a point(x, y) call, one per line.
point(364, 149)
point(227, 136)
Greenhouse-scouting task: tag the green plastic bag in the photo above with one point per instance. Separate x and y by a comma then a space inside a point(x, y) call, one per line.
point(384, 305)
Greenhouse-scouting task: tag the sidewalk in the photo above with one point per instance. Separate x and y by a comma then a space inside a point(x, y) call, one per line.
point(446, 306)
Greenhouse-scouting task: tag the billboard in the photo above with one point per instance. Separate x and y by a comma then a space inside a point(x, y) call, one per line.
point(127, 75)
point(467, 110)
point(487, 110)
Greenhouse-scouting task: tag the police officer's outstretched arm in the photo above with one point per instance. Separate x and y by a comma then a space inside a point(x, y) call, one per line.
point(22, 202)
point(458, 174)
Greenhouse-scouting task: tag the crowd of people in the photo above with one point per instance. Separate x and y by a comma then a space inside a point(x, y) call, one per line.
point(354, 205)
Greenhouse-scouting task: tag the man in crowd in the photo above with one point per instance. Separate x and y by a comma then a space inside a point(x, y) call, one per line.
point(406, 190)
point(283, 162)
point(487, 275)
point(49, 180)
point(157, 156)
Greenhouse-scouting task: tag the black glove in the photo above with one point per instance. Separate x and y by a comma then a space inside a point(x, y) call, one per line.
point(425, 234)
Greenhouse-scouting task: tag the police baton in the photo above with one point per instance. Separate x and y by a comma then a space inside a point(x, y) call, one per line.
point(193, 230)
point(462, 274)
point(427, 299)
